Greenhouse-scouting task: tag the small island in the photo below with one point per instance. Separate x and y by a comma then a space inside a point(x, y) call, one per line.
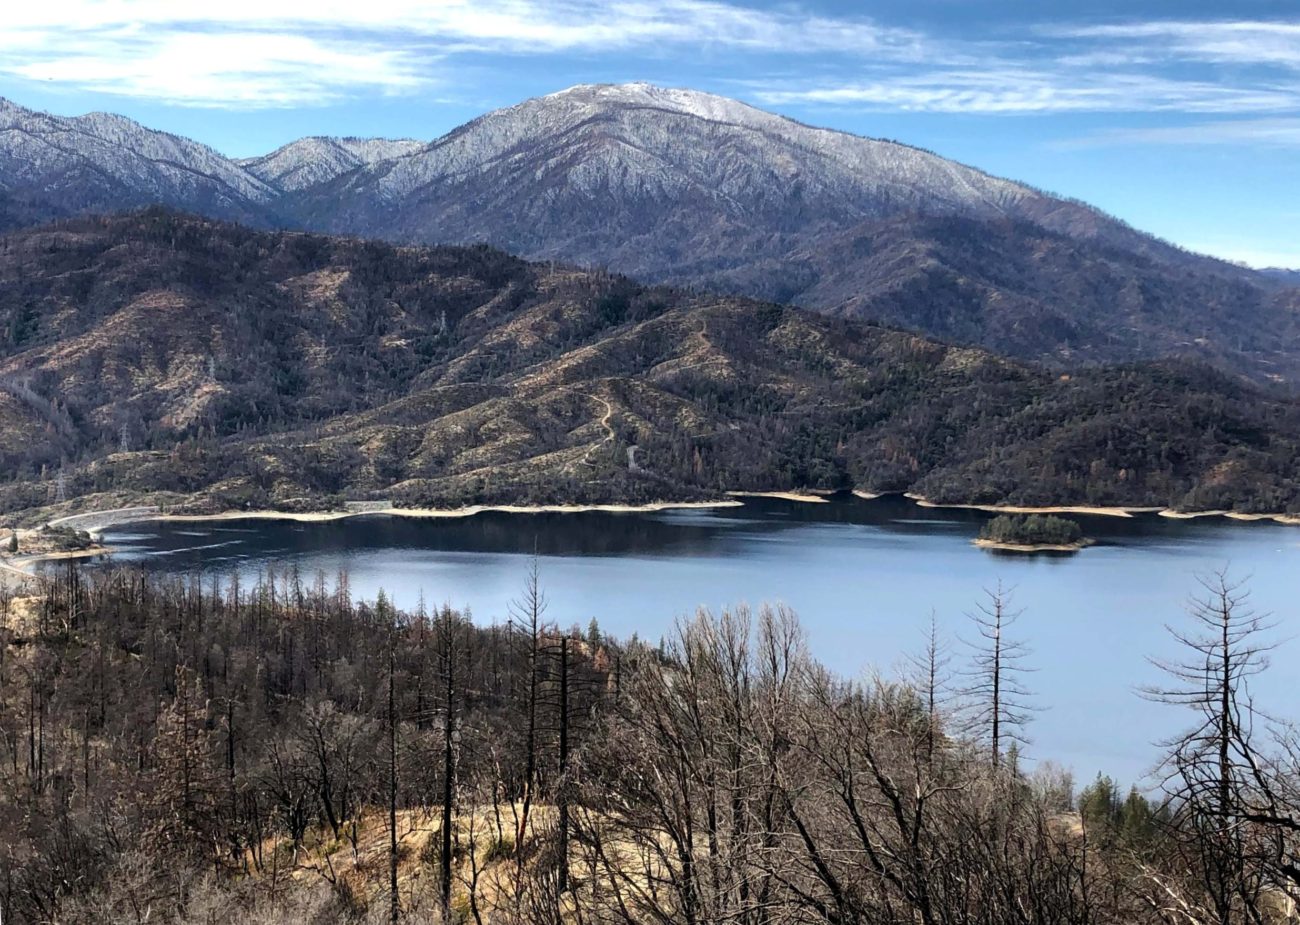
point(1032, 533)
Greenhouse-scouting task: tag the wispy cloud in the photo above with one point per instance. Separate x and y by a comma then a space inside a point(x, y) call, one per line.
point(282, 52)
point(243, 53)
point(1282, 132)
point(1235, 42)
point(1012, 89)
point(223, 69)
point(1163, 66)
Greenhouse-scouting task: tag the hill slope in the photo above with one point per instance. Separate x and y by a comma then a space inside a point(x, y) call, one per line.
point(251, 368)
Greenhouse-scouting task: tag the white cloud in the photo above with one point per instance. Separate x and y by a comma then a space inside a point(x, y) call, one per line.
point(517, 25)
point(280, 52)
point(1281, 132)
point(1235, 42)
point(290, 52)
point(1167, 66)
point(1010, 89)
point(228, 68)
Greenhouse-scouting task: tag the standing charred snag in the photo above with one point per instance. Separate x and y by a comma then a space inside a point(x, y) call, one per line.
point(1211, 771)
point(448, 656)
point(527, 615)
point(562, 788)
point(236, 843)
point(389, 619)
point(575, 694)
point(929, 675)
point(997, 702)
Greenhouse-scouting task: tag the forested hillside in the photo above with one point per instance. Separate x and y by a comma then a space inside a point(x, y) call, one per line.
point(1026, 291)
point(159, 356)
point(181, 752)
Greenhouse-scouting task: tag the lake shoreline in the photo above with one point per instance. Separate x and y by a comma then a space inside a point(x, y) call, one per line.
point(22, 565)
point(1031, 548)
point(467, 511)
point(1097, 511)
point(1101, 511)
point(803, 497)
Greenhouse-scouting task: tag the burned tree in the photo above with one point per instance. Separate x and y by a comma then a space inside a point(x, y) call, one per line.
point(1210, 771)
point(997, 702)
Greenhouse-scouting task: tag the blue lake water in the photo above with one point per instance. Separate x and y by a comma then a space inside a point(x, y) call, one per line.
point(863, 576)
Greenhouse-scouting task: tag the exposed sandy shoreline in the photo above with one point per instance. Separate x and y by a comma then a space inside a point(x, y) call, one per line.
point(1021, 509)
point(1032, 547)
point(802, 497)
point(1291, 519)
point(1232, 515)
point(469, 511)
point(22, 565)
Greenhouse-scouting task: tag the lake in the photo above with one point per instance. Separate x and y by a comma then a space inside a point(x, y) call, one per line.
point(864, 576)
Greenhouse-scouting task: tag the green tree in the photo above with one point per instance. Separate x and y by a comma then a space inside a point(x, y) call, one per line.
point(1138, 820)
point(1099, 807)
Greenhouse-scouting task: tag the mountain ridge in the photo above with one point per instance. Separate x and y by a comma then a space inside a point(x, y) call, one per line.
point(319, 158)
point(162, 357)
point(692, 189)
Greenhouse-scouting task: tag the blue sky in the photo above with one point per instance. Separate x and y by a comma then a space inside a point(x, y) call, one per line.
point(1182, 118)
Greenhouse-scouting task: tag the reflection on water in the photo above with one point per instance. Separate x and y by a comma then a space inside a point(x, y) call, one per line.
point(863, 575)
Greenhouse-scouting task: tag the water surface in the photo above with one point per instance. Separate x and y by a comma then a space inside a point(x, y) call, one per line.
point(864, 577)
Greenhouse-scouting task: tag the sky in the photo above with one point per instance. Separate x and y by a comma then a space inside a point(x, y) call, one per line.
point(1182, 118)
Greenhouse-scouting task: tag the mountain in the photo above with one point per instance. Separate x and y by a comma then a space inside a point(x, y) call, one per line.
point(159, 356)
point(690, 189)
point(52, 166)
point(309, 162)
point(1283, 275)
point(648, 157)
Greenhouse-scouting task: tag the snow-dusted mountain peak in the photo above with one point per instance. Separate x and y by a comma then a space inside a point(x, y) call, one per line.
point(640, 142)
point(670, 99)
point(109, 161)
point(318, 159)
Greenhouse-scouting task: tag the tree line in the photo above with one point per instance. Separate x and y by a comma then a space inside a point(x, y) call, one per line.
point(192, 751)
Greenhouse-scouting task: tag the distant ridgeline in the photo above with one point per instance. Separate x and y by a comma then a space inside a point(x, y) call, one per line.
point(157, 358)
